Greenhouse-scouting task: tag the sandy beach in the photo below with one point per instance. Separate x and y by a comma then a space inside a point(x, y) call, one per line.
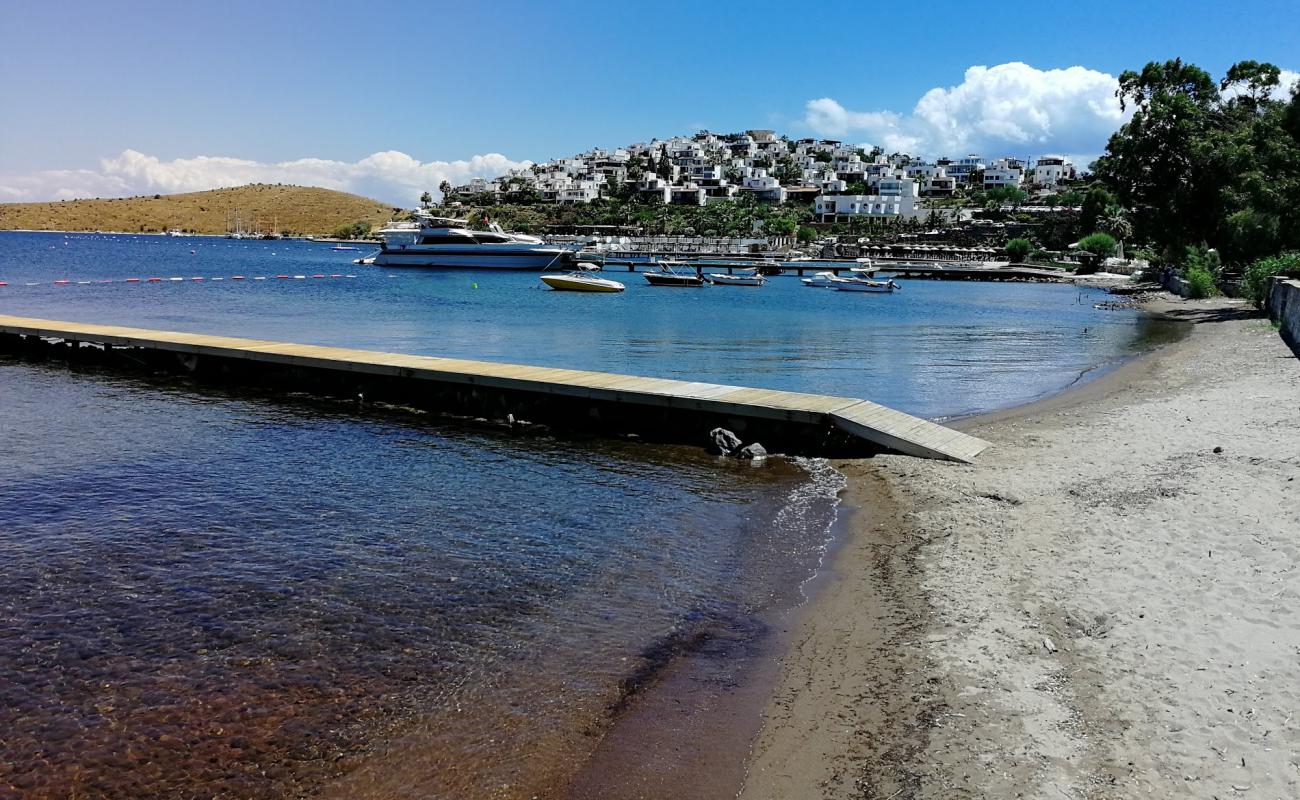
point(1101, 606)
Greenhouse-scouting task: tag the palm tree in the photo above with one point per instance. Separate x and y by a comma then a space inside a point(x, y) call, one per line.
point(1115, 222)
point(445, 188)
point(425, 200)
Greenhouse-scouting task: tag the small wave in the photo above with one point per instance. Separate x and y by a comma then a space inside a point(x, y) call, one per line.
point(807, 518)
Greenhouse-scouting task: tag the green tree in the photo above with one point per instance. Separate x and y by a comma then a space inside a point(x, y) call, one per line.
point(357, 230)
point(665, 167)
point(1018, 250)
point(1115, 222)
point(425, 200)
point(1195, 167)
point(445, 188)
point(780, 226)
point(1095, 203)
point(1100, 246)
point(1252, 79)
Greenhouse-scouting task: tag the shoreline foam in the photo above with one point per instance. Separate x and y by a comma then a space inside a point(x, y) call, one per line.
point(1099, 605)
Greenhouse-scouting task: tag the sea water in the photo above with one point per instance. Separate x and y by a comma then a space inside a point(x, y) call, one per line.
point(206, 592)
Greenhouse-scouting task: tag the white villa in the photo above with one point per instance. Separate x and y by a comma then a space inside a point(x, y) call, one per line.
point(842, 180)
point(1052, 170)
point(1004, 173)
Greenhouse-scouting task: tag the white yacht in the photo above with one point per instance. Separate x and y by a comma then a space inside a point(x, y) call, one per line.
point(430, 241)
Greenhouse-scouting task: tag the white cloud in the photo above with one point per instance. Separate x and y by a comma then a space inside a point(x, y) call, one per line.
point(1010, 108)
point(390, 176)
point(1287, 83)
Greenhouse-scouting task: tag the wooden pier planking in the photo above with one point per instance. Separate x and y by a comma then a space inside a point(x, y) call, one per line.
point(874, 423)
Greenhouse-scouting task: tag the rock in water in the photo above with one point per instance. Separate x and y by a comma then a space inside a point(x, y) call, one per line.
point(754, 451)
point(724, 441)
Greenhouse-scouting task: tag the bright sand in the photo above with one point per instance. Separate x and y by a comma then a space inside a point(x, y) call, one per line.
point(1101, 606)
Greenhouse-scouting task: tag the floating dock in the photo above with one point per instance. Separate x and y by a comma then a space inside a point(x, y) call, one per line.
point(655, 408)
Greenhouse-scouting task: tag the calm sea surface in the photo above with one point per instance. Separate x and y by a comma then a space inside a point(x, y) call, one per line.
point(214, 594)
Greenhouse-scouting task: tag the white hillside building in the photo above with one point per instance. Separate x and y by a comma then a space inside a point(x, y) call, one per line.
point(839, 207)
point(1051, 170)
point(1004, 173)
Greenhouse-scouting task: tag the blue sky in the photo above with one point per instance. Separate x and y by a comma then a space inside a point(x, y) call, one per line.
point(275, 82)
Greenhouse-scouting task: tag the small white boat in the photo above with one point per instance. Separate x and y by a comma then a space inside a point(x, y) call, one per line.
point(822, 280)
point(865, 266)
point(344, 247)
point(748, 277)
point(864, 285)
point(668, 276)
point(582, 280)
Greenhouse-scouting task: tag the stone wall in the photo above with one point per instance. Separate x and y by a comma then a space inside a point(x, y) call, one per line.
point(1284, 307)
point(1173, 283)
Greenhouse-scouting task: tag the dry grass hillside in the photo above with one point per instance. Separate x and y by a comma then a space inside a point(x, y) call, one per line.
point(260, 207)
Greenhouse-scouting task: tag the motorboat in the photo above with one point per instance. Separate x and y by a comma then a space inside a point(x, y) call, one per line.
point(431, 241)
point(344, 247)
point(864, 285)
point(822, 280)
point(747, 277)
point(669, 276)
point(582, 280)
point(865, 266)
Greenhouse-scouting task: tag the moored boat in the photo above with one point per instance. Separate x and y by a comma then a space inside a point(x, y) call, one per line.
point(864, 285)
point(748, 277)
point(821, 280)
point(429, 241)
point(582, 280)
point(668, 276)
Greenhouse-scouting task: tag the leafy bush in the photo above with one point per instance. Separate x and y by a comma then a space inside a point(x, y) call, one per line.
point(1200, 258)
point(1255, 281)
point(1200, 283)
point(1018, 250)
point(357, 230)
point(1101, 245)
point(1146, 254)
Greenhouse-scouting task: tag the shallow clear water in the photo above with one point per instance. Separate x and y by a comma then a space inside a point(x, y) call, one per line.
point(199, 589)
point(212, 593)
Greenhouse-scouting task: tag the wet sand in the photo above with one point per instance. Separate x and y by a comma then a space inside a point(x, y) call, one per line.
point(1102, 606)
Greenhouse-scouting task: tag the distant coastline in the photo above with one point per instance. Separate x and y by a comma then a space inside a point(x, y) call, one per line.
point(253, 209)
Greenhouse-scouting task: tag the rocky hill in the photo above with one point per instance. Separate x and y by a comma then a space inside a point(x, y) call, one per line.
point(256, 207)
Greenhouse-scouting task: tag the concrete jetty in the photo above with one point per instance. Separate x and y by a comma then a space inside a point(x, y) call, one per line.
point(656, 408)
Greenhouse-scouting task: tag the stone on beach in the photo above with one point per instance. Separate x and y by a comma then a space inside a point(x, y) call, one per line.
point(724, 441)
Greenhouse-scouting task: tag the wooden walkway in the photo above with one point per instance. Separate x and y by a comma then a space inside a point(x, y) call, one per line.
point(883, 427)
